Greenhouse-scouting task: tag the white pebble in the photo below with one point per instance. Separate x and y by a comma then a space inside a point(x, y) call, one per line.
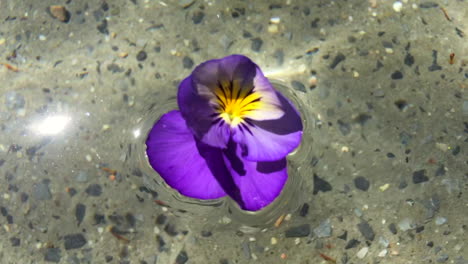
point(362, 252)
point(275, 20)
point(42, 37)
point(273, 241)
point(89, 158)
point(397, 6)
point(440, 220)
point(383, 253)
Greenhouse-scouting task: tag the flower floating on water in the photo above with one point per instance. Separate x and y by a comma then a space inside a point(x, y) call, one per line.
point(230, 137)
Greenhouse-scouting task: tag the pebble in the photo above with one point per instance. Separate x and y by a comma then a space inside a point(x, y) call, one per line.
point(298, 86)
point(186, 3)
point(82, 176)
point(362, 252)
point(273, 241)
point(324, 229)
point(321, 185)
point(15, 242)
point(384, 242)
point(80, 211)
point(442, 258)
point(52, 255)
point(440, 220)
point(94, 190)
point(397, 6)
point(74, 241)
point(366, 230)
point(392, 228)
point(397, 75)
point(14, 100)
point(256, 44)
point(337, 60)
point(187, 62)
point(344, 127)
point(246, 250)
point(361, 183)
point(304, 210)
point(298, 231)
point(383, 253)
point(41, 191)
point(60, 13)
point(420, 176)
point(182, 258)
point(141, 55)
point(197, 17)
point(406, 224)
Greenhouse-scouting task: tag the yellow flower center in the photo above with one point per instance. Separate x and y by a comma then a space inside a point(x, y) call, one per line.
point(234, 102)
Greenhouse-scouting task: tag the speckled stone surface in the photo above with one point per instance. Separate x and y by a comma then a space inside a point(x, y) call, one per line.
point(384, 170)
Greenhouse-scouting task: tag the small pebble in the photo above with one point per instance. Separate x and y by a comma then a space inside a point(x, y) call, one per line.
point(182, 258)
point(384, 187)
point(384, 242)
point(41, 191)
point(383, 253)
point(366, 230)
point(298, 231)
point(442, 258)
point(397, 75)
point(197, 17)
point(397, 6)
point(324, 229)
point(256, 44)
point(141, 55)
point(298, 86)
point(440, 220)
point(273, 241)
point(362, 252)
point(420, 176)
point(361, 183)
point(321, 185)
point(187, 62)
point(406, 224)
point(94, 190)
point(52, 255)
point(82, 176)
point(60, 13)
point(74, 241)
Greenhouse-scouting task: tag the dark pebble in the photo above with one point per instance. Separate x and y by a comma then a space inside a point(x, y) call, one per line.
point(420, 176)
point(304, 210)
point(223, 261)
point(24, 197)
point(321, 185)
point(344, 236)
point(74, 241)
point(390, 155)
point(419, 229)
point(392, 228)
point(15, 241)
point(401, 104)
point(187, 62)
point(456, 150)
point(344, 127)
point(103, 27)
point(131, 220)
point(434, 67)
point(405, 138)
point(80, 211)
point(206, 233)
point(430, 244)
point(114, 68)
point(361, 183)
point(362, 119)
point(52, 255)
point(279, 56)
point(440, 171)
point(104, 6)
point(366, 230)
point(197, 17)
point(182, 257)
point(10, 219)
point(352, 243)
point(170, 229)
point(146, 190)
point(161, 243)
point(109, 258)
point(409, 59)
point(2, 161)
point(298, 231)
point(161, 219)
point(3, 211)
point(256, 44)
point(99, 219)
point(428, 5)
point(116, 219)
point(246, 34)
point(338, 58)
point(298, 86)
point(141, 55)
point(397, 75)
point(94, 190)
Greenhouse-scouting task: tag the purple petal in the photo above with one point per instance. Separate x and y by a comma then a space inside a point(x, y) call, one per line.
point(185, 164)
point(258, 183)
point(270, 140)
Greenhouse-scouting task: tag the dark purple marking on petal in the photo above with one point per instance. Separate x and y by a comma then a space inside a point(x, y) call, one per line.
point(184, 164)
point(258, 183)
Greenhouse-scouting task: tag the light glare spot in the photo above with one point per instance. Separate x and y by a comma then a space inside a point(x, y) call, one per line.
point(51, 125)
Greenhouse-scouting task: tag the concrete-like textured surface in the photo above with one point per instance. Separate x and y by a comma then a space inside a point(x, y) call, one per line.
point(383, 166)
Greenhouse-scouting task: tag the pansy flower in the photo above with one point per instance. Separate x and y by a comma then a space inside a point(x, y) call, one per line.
point(230, 136)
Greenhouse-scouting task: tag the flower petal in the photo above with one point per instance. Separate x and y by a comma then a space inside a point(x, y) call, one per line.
point(258, 183)
point(185, 164)
point(199, 114)
point(270, 140)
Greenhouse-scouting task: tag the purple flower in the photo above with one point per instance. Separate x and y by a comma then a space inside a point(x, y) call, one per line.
point(230, 137)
